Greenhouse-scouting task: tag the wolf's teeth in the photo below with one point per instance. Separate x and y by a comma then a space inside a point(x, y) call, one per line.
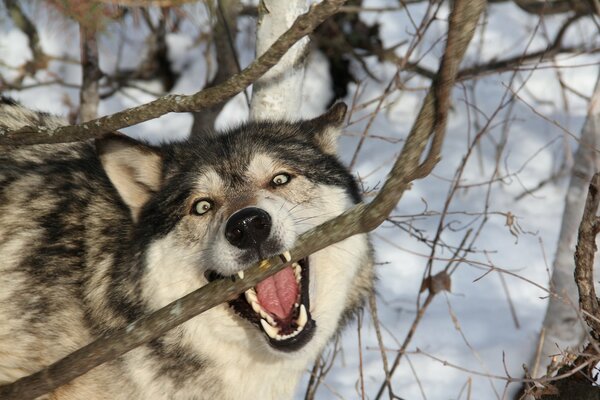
point(269, 319)
point(286, 256)
point(303, 317)
point(256, 307)
point(251, 296)
point(297, 271)
point(240, 274)
point(252, 299)
point(271, 331)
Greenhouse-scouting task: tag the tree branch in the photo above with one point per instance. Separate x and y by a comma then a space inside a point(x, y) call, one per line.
point(303, 25)
point(39, 58)
point(224, 34)
point(278, 94)
point(584, 256)
point(90, 70)
point(545, 7)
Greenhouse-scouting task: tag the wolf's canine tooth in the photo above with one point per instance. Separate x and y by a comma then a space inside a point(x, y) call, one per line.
point(240, 274)
point(269, 319)
point(251, 296)
point(256, 307)
point(303, 317)
point(286, 256)
point(270, 330)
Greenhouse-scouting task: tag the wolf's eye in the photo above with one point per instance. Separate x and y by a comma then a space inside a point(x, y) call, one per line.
point(201, 207)
point(280, 179)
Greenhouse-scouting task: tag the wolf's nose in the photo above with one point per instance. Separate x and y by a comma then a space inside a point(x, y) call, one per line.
point(248, 227)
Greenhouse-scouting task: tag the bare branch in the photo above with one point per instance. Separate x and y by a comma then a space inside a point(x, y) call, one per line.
point(224, 34)
point(546, 7)
point(585, 253)
point(90, 68)
point(39, 58)
point(303, 25)
point(553, 49)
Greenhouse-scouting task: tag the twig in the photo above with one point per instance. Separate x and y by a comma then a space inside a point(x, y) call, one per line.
point(384, 359)
point(360, 354)
point(407, 340)
point(505, 377)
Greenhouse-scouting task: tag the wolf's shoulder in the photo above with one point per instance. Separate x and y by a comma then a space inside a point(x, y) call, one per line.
point(14, 116)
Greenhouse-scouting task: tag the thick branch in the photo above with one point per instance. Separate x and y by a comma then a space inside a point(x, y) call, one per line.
point(278, 94)
point(224, 34)
point(545, 7)
point(89, 98)
point(584, 256)
point(305, 24)
point(360, 219)
point(39, 58)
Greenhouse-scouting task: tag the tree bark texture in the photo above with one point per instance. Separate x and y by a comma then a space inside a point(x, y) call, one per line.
point(278, 93)
point(563, 327)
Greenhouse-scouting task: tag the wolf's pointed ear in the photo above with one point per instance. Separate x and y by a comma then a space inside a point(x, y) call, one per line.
point(134, 169)
point(327, 127)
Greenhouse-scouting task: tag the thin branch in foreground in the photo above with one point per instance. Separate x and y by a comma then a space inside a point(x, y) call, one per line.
point(96, 128)
point(361, 218)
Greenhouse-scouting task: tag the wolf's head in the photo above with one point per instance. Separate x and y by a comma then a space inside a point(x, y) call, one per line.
point(211, 207)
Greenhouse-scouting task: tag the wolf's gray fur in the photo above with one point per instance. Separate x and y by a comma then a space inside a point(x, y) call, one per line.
point(95, 235)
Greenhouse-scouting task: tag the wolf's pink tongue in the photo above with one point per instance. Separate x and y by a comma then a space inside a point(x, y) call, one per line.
point(277, 294)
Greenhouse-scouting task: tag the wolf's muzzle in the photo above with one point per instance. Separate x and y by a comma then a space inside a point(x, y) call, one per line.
point(248, 227)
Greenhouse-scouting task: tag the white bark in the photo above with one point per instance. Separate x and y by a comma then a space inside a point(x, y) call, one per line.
point(278, 94)
point(562, 327)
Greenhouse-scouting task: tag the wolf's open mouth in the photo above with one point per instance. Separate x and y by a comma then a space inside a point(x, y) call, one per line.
point(279, 306)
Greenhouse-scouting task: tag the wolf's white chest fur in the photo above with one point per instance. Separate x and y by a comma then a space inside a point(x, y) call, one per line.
point(240, 360)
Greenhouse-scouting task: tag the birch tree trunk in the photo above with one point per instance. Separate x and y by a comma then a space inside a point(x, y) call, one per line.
point(278, 94)
point(562, 326)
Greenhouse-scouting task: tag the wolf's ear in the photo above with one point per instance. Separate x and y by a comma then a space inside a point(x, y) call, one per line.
point(135, 169)
point(327, 127)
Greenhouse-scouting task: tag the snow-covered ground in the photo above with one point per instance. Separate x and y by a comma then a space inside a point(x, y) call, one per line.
point(471, 327)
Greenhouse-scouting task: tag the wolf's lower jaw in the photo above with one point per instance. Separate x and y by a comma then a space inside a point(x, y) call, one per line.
point(289, 333)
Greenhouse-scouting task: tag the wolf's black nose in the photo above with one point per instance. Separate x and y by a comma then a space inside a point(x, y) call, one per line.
point(248, 227)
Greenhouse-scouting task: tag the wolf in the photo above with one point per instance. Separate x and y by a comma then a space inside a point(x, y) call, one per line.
point(96, 234)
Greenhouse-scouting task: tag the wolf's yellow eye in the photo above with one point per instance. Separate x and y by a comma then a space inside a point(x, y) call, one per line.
point(201, 207)
point(281, 179)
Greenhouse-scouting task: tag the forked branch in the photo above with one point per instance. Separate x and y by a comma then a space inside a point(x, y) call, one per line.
point(96, 128)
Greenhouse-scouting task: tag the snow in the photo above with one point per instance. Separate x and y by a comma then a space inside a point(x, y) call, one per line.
point(488, 341)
